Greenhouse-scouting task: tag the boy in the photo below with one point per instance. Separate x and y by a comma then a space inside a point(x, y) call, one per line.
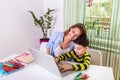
point(79, 55)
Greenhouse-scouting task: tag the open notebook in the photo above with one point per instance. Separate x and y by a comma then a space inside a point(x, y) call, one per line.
point(25, 58)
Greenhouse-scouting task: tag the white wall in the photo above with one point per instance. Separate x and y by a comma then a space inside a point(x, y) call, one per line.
point(17, 30)
point(58, 6)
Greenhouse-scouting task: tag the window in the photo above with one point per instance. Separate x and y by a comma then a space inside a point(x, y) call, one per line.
point(98, 14)
point(97, 22)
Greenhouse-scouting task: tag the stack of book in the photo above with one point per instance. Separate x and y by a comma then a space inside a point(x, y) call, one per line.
point(9, 67)
point(15, 64)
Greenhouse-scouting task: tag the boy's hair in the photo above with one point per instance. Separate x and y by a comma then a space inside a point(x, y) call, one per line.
point(82, 40)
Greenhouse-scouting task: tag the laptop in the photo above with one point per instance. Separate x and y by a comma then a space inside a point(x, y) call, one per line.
point(47, 62)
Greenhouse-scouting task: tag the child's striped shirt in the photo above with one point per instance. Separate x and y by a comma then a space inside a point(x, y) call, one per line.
point(83, 61)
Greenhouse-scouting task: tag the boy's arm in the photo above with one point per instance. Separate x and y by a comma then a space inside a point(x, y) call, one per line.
point(84, 65)
point(63, 57)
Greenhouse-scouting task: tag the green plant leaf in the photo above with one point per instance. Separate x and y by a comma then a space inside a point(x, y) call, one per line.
point(33, 15)
point(43, 21)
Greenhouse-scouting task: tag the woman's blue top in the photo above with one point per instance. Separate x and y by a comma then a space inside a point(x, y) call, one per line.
point(55, 40)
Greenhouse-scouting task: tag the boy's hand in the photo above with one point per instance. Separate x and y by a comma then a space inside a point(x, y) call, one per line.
point(56, 60)
point(65, 67)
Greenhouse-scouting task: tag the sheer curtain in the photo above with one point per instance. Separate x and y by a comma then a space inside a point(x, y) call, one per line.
point(115, 39)
point(102, 21)
point(107, 37)
point(73, 12)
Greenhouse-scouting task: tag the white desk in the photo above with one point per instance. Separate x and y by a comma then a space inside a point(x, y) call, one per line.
point(35, 72)
point(95, 72)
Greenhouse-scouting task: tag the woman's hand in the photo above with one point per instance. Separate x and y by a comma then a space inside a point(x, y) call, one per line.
point(65, 67)
point(48, 51)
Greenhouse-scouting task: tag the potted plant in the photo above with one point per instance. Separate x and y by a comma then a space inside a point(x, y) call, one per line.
point(44, 22)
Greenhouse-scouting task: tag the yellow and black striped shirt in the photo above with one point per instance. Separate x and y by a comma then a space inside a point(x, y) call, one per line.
point(84, 60)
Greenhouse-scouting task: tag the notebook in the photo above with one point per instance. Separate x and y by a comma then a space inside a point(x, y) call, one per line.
point(25, 58)
point(47, 62)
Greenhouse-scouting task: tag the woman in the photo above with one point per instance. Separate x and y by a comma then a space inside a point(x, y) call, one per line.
point(62, 42)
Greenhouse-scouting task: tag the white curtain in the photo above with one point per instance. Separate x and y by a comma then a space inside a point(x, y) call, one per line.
point(114, 58)
point(115, 20)
point(73, 12)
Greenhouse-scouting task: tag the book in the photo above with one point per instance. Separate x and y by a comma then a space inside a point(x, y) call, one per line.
point(25, 58)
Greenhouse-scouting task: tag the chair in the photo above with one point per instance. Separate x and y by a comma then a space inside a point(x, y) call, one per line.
point(96, 57)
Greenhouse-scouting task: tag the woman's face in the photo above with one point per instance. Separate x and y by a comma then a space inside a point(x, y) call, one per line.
point(74, 33)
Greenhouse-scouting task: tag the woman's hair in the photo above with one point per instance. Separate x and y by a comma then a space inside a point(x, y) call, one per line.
point(80, 26)
point(82, 40)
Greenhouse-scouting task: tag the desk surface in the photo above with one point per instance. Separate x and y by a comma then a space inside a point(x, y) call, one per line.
point(35, 72)
point(95, 72)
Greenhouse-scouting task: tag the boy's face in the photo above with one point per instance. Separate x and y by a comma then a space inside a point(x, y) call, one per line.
point(79, 49)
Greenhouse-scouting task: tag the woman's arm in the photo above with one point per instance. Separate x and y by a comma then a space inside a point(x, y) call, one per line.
point(48, 51)
point(51, 43)
point(54, 40)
